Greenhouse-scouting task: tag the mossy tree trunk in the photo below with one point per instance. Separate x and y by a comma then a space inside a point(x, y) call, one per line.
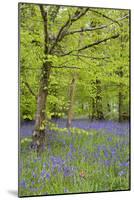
point(40, 118)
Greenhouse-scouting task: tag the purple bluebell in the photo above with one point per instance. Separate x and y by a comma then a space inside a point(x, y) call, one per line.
point(44, 164)
point(66, 190)
point(113, 151)
point(33, 182)
point(33, 174)
point(106, 153)
point(48, 176)
point(69, 154)
point(35, 160)
point(124, 164)
point(109, 139)
point(107, 162)
point(67, 171)
point(96, 155)
point(43, 172)
point(107, 126)
point(23, 183)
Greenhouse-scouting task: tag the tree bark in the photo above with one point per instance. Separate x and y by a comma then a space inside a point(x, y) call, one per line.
point(99, 107)
point(120, 96)
point(71, 103)
point(121, 74)
point(93, 109)
point(120, 106)
point(40, 118)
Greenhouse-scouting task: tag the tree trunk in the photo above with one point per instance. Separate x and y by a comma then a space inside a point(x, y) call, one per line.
point(99, 108)
point(108, 107)
point(93, 109)
point(40, 118)
point(120, 74)
point(120, 106)
point(120, 96)
point(71, 102)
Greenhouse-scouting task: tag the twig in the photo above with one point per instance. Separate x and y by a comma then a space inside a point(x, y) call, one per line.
point(66, 67)
point(94, 28)
point(90, 57)
point(105, 16)
point(29, 88)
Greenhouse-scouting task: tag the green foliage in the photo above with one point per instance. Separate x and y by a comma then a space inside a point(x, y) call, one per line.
point(102, 61)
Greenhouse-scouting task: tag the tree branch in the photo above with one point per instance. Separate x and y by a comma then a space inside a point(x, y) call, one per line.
point(44, 16)
point(86, 29)
point(54, 13)
point(90, 57)
point(66, 26)
point(66, 67)
point(29, 88)
point(94, 28)
point(105, 16)
point(91, 45)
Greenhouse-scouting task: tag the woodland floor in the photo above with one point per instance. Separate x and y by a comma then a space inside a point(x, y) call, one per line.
point(91, 157)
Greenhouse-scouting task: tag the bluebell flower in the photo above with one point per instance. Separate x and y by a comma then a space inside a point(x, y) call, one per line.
point(106, 153)
point(109, 139)
point(33, 182)
point(107, 162)
point(48, 176)
point(44, 164)
point(96, 155)
point(124, 164)
point(33, 174)
point(67, 171)
point(60, 168)
point(43, 173)
point(66, 190)
point(70, 154)
point(23, 184)
point(113, 151)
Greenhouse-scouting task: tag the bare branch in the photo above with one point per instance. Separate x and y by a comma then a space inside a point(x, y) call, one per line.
point(91, 45)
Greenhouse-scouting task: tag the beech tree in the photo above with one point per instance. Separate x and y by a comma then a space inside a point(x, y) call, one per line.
point(61, 39)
